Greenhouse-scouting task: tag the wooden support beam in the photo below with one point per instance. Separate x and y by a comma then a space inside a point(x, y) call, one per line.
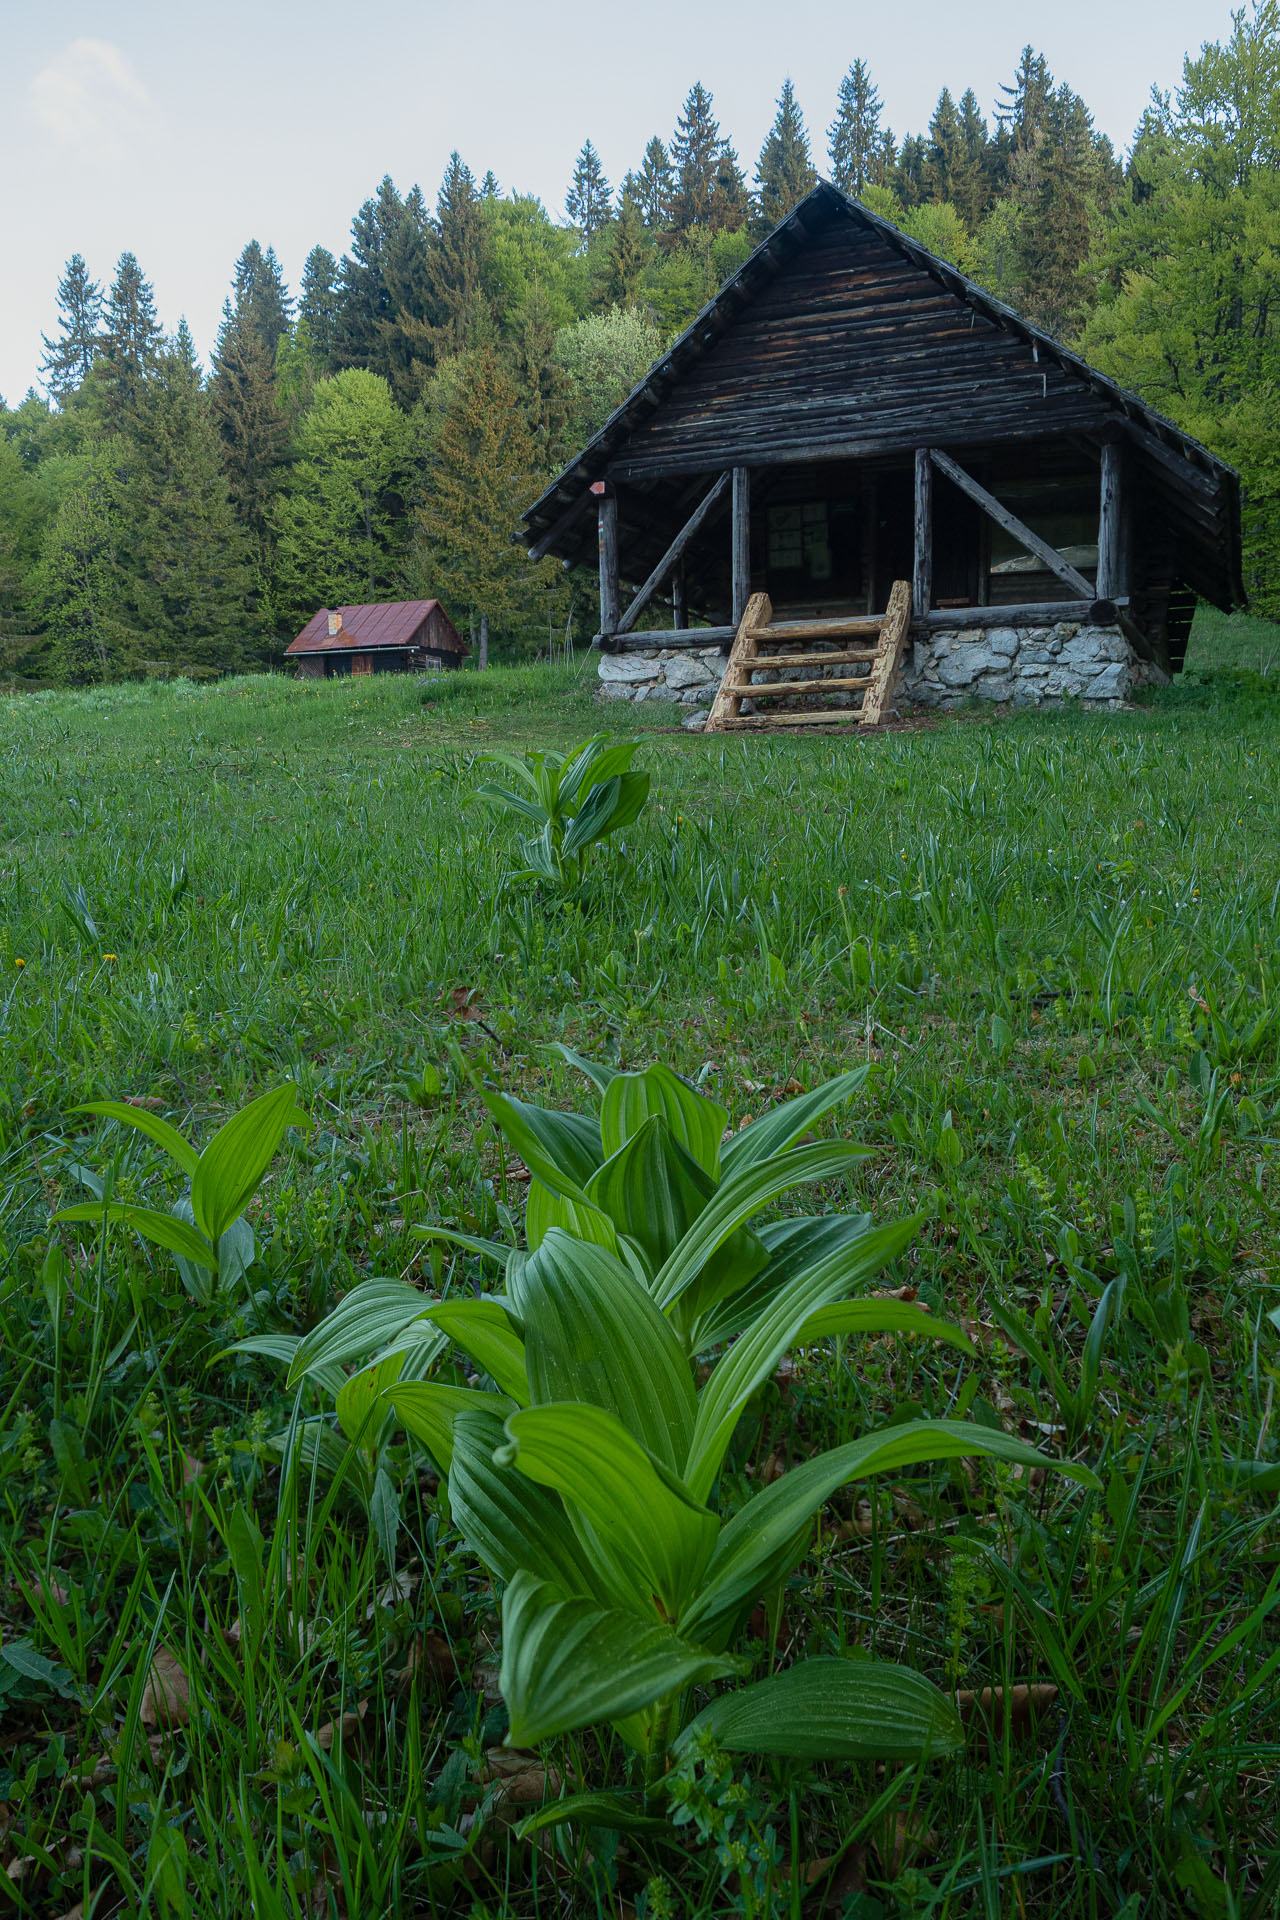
point(674, 554)
point(607, 547)
point(741, 541)
point(1041, 613)
point(922, 576)
point(1011, 524)
point(1111, 555)
point(542, 546)
point(679, 599)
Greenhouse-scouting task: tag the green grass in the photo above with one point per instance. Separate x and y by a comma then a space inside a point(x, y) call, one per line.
point(1056, 937)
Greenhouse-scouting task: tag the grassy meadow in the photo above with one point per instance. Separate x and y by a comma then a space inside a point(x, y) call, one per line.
point(1056, 941)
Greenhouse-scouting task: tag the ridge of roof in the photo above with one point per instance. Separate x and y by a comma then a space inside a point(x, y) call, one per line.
point(687, 346)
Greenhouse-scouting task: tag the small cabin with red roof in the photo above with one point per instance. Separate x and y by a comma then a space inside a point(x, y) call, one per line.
point(392, 636)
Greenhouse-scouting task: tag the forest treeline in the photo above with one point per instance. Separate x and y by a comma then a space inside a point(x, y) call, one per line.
point(375, 433)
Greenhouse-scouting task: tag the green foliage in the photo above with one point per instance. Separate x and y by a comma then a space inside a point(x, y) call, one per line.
point(337, 520)
point(575, 801)
point(603, 357)
point(785, 170)
point(206, 1232)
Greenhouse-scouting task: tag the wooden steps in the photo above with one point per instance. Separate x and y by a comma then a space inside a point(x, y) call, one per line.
point(755, 651)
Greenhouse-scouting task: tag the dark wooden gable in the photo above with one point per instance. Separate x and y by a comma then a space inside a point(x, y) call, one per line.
point(854, 346)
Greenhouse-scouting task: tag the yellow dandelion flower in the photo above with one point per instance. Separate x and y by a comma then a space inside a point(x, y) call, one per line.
point(19, 963)
point(109, 956)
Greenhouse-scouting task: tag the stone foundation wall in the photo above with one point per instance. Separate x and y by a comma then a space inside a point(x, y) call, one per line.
point(1025, 666)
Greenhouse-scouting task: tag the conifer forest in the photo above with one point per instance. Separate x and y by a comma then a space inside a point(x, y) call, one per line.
point(374, 431)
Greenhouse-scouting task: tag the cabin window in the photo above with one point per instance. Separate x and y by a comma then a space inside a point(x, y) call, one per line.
point(1066, 515)
point(800, 540)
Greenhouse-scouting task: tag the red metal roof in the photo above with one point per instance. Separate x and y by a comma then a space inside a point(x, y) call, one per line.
point(389, 623)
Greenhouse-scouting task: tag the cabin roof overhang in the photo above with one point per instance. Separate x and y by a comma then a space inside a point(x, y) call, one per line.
point(556, 521)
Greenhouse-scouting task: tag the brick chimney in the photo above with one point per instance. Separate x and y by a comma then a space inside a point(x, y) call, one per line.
point(335, 623)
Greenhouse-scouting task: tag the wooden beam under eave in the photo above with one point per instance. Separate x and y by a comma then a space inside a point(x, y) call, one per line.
point(543, 545)
point(607, 550)
point(922, 571)
point(1111, 554)
point(1052, 559)
point(741, 550)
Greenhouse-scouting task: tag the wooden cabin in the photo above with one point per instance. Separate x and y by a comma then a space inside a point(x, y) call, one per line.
point(389, 636)
point(851, 411)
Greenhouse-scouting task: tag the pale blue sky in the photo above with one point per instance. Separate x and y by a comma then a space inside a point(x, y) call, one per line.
point(181, 133)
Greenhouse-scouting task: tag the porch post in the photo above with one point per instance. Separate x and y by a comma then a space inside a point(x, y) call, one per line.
point(679, 601)
point(607, 546)
point(1111, 582)
point(741, 541)
point(922, 579)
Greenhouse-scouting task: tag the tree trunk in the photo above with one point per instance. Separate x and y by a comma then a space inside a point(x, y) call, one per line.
point(483, 661)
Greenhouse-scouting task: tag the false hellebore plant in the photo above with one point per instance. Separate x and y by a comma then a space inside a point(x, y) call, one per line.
point(573, 800)
point(588, 1479)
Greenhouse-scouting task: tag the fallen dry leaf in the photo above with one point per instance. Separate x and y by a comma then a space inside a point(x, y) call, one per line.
point(166, 1698)
point(521, 1779)
point(771, 1469)
point(848, 1873)
point(464, 1003)
point(986, 1709)
point(429, 1654)
point(334, 1729)
point(898, 1842)
point(147, 1101)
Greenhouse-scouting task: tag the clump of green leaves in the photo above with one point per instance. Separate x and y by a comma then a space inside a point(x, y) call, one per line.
point(573, 800)
point(205, 1231)
point(587, 1477)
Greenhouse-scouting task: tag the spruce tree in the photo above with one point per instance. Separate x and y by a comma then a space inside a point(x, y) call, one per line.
point(627, 253)
point(589, 201)
point(408, 335)
point(784, 171)
point(942, 155)
point(653, 188)
point(363, 298)
point(247, 412)
point(183, 557)
point(484, 470)
point(68, 358)
point(131, 340)
point(77, 587)
point(1025, 105)
point(697, 153)
point(318, 304)
point(261, 296)
point(855, 138)
point(909, 182)
point(455, 280)
point(973, 176)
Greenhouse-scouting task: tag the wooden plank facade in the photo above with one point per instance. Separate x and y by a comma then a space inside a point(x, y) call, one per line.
point(849, 411)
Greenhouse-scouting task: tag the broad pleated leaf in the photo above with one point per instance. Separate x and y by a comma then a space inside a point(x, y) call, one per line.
point(545, 1209)
point(562, 1149)
point(652, 1190)
point(428, 1409)
point(609, 807)
point(152, 1125)
point(880, 1316)
point(231, 1167)
point(513, 802)
point(362, 1412)
point(483, 1328)
point(593, 1333)
point(768, 1537)
point(641, 1525)
point(596, 759)
point(742, 1195)
point(281, 1347)
point(697, 1123)
point(782, 1126)
point(165, 1229)
point(752, 1358)
point(617, 1812)
point(513, 1524)
point(790, 1246)
point(363, 1322)
point(568, 1663)
point(595, 1070)
point(831, 1709)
